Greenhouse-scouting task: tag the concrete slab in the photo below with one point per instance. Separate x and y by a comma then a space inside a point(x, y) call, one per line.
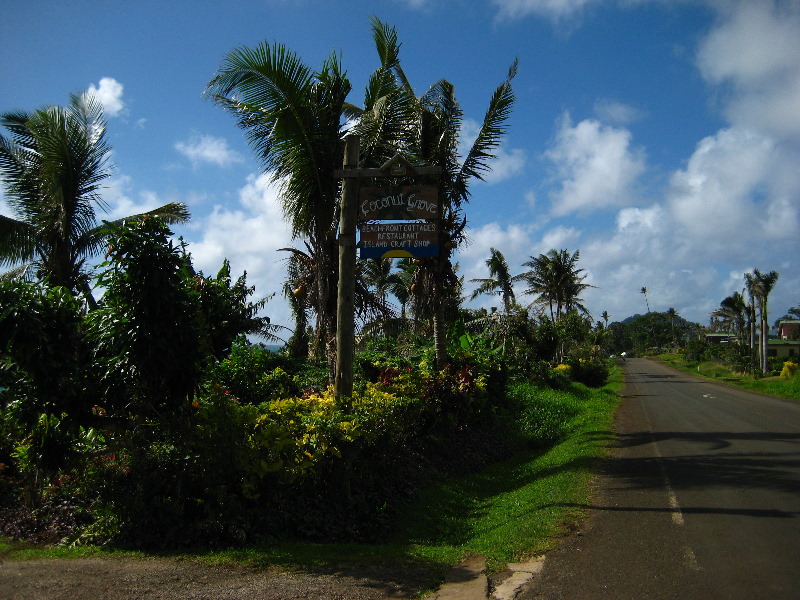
point(507, 590)
point(466, 581)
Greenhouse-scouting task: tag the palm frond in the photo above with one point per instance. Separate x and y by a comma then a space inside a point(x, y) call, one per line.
point(477, 161)
point(17, 241)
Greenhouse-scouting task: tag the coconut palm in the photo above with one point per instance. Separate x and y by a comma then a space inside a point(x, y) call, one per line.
point(644, 291)
point(556, 282)
point(377, 275)
point(672, 313)
point(732, 313)
point(763, 283)
point(428, 129)
point(605, 316)
point(499, 282)
point(294, 118)
point(750, 286)
point(53, 164)
point(400, 283)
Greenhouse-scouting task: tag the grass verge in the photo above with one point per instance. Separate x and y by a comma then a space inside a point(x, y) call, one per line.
point(508, 511)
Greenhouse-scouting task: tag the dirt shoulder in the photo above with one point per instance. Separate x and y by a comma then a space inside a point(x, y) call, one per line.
point(126, 578)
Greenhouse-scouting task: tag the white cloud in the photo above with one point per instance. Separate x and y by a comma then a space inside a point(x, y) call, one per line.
point(617, 113)
point(754, 50)
point(249, 236)
point(731, 207)
point(595, 164)
point(109, 93)
point(201, 149)
point(716, 196)
point(117, 195)
point(507, 162)
point(557, 10)
point(415, 4)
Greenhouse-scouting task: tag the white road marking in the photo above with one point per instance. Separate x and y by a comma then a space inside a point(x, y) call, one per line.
point(677, 515)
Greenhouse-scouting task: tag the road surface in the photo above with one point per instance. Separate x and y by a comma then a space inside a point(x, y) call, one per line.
point(699, 500)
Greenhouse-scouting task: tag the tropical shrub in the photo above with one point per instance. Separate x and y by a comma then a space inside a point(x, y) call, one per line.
point(592, 373)
point(789, 369)
point(254, 374)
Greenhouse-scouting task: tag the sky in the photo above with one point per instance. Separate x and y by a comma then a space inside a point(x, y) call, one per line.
point(660, 138)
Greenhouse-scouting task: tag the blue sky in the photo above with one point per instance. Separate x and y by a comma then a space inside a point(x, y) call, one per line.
point(661, 138)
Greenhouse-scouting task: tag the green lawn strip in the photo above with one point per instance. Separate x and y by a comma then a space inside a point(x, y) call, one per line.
point(514, 509)
point(507, 511)
point(773, 386)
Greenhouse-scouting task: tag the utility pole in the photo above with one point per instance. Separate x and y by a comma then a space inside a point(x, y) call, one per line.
point(345, 313)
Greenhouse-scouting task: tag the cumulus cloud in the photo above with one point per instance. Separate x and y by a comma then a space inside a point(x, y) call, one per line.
point(730, 207)
point(595, 165)
point(617, 113)
point(123, 200)
point(507, 162)
point(415, 4)
point(109, 93)
point(714, 195)
point(557, 10)
point(249, 236)
point(200, 149)
point(754, 51)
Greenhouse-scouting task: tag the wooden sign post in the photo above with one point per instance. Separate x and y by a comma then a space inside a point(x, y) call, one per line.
point(415, 211)
point(345, 308)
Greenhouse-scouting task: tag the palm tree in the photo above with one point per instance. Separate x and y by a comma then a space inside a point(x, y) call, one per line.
point(605, 316)
point(749, 284)
point(53, 164)
point(427, 128)
point(377, 274)
point(732, 313)
point(400, 283)
point(672, 313)
point(294, 118)
point(644, 291)
point(763, 283)
point(499, 281)
point(556, 282)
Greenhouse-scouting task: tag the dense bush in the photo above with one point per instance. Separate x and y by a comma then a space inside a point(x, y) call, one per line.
point(254, 374)
point(593, 373)
point(152, 427)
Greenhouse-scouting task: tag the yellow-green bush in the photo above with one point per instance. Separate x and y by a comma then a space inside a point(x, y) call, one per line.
point(789, 369)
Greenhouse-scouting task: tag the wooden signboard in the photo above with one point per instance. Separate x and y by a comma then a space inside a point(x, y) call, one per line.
point(398, 240)
point(402, 202)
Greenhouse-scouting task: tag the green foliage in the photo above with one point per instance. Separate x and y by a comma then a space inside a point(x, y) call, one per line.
point(592, 373)
point(789, 370)
point(226, 312)
point(42, 350)
point(147, 330)
point(249, 372)
point(45, 380)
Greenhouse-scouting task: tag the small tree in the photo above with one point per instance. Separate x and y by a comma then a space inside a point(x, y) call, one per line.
point(52, 165)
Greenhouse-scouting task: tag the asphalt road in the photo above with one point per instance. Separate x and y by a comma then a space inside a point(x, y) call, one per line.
point(699, 500)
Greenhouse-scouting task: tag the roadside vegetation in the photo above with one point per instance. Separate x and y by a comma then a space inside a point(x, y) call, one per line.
point(141, 411)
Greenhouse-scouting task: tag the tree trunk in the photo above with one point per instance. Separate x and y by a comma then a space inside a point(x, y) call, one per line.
point(439, 318)
point(764, 338)
point(345, 326)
